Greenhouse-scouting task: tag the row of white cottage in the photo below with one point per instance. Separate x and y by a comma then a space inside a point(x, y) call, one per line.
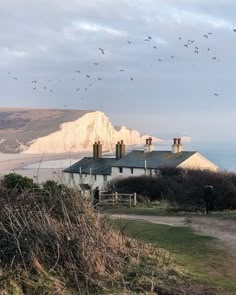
point(97, 170)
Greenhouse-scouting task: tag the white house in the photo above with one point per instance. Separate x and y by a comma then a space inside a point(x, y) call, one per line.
point(97, 170)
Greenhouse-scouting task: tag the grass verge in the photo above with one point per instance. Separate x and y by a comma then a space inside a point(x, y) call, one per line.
point(196, 254)
point(156, 211)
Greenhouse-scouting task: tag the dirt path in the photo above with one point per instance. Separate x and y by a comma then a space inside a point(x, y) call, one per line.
point(222, 229)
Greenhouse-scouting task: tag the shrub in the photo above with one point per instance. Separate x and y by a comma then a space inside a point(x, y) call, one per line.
point(18, 183)
point(184, 188)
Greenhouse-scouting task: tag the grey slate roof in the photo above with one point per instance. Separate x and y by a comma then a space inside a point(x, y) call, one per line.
point(98, 167)
point(135, 159)
point(154, 159)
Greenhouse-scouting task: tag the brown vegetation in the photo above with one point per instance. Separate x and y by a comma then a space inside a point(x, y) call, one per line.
point(53, 242)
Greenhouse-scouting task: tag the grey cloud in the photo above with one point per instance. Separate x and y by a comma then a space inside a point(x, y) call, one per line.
point(50, 40)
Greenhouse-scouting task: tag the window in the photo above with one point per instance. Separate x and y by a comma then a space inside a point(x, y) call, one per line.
point(120, 170)
point(104, 177)
point(132, 170)
point(95, 177)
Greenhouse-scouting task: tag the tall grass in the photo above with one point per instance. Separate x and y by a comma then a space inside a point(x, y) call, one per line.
point(54, 242)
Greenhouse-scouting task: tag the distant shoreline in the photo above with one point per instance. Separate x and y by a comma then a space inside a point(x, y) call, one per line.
point(18, 163)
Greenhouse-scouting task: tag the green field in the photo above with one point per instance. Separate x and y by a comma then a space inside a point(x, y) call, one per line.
point(157, 211)
point(198, 255)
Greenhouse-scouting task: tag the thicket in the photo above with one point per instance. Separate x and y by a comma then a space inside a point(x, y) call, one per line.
point(184, 189)
point(53, 242)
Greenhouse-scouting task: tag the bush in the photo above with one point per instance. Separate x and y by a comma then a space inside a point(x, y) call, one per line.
point(18, 183)
point(184, 188)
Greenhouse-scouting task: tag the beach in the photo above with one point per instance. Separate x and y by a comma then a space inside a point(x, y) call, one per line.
point(40, 167)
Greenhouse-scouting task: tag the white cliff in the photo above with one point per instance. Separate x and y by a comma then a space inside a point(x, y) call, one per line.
point(79, 135)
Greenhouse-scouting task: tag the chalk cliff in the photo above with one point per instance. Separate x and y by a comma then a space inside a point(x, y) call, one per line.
point(80, 134)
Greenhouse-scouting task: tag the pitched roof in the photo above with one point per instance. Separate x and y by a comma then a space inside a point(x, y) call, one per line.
point(154, 159)
point(98, 166)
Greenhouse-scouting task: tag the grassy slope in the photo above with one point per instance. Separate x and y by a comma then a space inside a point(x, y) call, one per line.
point(155, 211)
point(198, 255)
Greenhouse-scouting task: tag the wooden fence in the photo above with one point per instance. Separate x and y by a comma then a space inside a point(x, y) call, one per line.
point(118, 198)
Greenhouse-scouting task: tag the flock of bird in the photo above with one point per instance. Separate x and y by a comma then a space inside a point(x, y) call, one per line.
point(189, 44)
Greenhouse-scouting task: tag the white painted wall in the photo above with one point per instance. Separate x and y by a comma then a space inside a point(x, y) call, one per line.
point(115, 172)
point(198, 161)
point(75, 179)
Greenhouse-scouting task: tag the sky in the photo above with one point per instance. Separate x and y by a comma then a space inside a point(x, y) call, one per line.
point(163, 67)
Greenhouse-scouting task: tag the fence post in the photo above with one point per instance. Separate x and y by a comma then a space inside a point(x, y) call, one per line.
point(130, 200)
point(116, 197)
point(113, 199)
point(135, 199)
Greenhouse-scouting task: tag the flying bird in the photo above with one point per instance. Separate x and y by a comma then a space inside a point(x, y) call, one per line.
point(216, 94)
point(129, 42)
point(96, 63)
point(34, 88)
point(99, 78)
point(205, 36)
point(234, 30)
point(88, 76)
point(149, 37)
point(77, 71)
point(131, 78)
point(101, 49)
point(147, 40)
point(34, 81)
point(160, 60)
point(154, 47)
point(77, 89)
point(15, 78)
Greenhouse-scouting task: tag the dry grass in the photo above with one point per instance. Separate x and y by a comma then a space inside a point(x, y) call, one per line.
point(58, 244)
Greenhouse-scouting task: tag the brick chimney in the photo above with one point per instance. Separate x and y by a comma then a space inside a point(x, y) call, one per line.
point(148, 147)
point(175, 146)
point(179, 145)
point(97, 150)
point(120, 150)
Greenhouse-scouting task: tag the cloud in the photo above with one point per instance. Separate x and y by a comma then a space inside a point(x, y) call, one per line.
point(93, 27)
point(7, 53)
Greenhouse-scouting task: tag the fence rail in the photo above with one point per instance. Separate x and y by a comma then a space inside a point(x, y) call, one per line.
point(118, 198)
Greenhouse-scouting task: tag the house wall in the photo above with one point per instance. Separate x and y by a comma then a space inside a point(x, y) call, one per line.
point(197, 161)
point(115, 172)
point(75, 179)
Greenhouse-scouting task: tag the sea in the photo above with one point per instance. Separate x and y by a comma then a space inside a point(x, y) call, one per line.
point(223, 154)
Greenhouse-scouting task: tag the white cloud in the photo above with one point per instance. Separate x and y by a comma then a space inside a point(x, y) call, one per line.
point(6, 52)
point(93, 27)
point(185, 17)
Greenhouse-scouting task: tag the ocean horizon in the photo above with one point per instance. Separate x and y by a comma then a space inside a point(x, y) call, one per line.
point(223, 154)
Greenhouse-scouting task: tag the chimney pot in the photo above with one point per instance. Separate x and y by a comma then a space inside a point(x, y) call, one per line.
point(175, 140)
point(122, 141)
point(179, 140)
